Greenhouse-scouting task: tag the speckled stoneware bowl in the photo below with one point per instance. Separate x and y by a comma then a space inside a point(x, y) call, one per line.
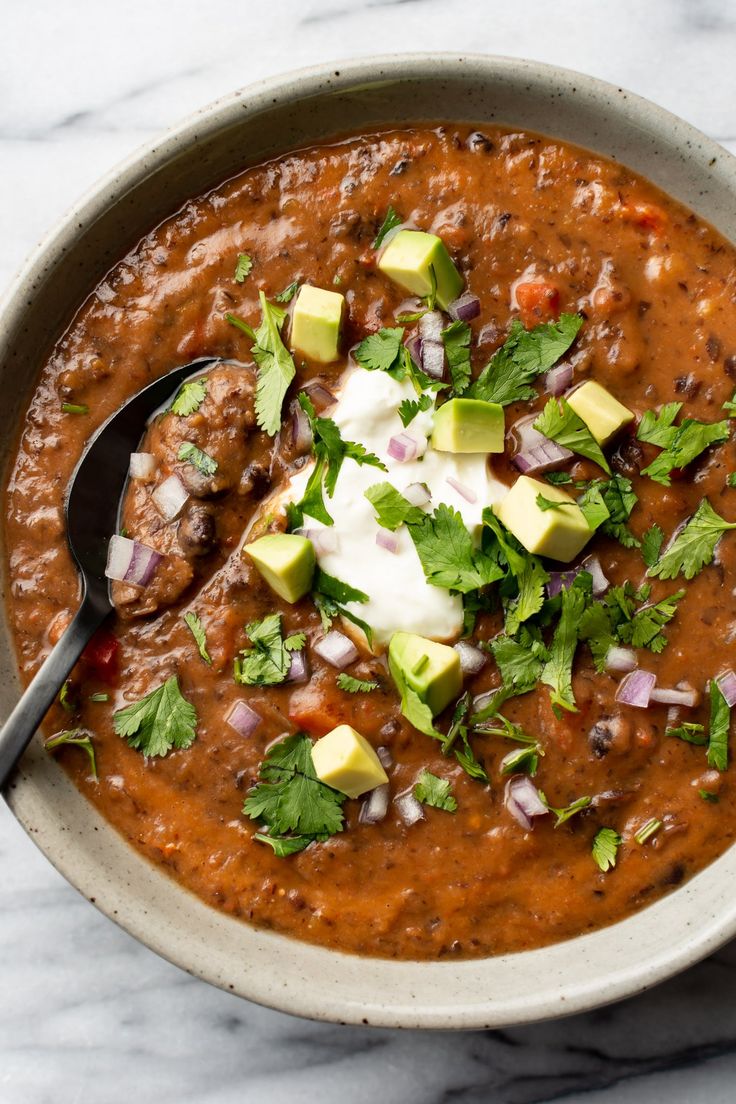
point(260, 122)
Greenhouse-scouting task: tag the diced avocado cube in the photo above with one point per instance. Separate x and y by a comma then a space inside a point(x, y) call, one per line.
point(315, 323)
point(409, 260)
point(286, 562)
point(430, 669)
point(559, 533)
point(603, 415)
point(469, 425)
point(346, 761)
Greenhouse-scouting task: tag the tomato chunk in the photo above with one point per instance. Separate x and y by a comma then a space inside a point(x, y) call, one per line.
point(538, 303)
point(312, 710)
point(101, 654)
point(647, 216)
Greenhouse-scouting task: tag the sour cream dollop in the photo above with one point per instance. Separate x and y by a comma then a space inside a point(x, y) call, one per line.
point(400, 598)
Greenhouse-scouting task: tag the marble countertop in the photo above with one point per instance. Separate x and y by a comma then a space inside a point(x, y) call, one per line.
point(88, 1015)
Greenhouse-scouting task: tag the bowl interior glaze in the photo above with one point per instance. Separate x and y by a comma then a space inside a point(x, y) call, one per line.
point(254, 124)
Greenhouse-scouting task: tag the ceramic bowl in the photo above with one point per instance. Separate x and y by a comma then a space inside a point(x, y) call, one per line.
point(251, 125)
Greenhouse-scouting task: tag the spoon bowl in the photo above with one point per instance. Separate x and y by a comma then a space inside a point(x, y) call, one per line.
point(91, 513)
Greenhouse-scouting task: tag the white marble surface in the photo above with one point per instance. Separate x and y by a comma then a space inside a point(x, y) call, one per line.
point(87, 1016)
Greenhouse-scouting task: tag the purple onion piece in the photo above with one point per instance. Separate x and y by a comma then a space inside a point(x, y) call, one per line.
point(558, 379)
point(408, 808)
point(414, 345)
point(385, 757)
point(170, 497)
point(374, 808)
point(561, 580)
point(522, 800)
point(388, 540)
point(143, 466)
point(431, 326)
point(600, 582)
point(620, 659)
point(336, 649)
point(129, 561)
point(319, 394)
point(465, 308)
point(636, 689)
point(488, 334)
point(301, 431)
point(298, 667)
point(324, 540)
point(472, 659)
point(418, 494)
point(687, 697)
point(403, 448)
point(462, 489)
point(243, 719)
point(433, 359)
point(726, 683)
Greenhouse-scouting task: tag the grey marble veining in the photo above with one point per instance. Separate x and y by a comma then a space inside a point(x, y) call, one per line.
point(88, 1016)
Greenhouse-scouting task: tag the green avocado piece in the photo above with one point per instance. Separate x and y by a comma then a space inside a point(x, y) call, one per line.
point(315, 323)
point(560, 531)
point(430, 669)
point(286, 562)
point(469, 425)
point(409, 260)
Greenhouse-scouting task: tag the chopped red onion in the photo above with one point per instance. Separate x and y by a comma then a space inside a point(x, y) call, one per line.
point(374, 808)
point(480, 701)
point(462, 489)
point(488, 335)
point(536, 452)
point(129, 561)
point(726, 683)
point(170, 497)
point(558, 379)
point(298, 667)
point(522, 800)
point(686, 696)
point(337, 649)
point(385, 756)
point(418, 494)
point(301, 431)
point(636, 689)
point(414, 345)
point(593, 567)
point(620, 659)
point(412, 305)
point(388, 540)
point(409, 809)
point(321, 397)
point(431, 326)
point(433, 359)
point(465, 307)
point(561, 580)
point(403, 448)
point(243, 719)
point(472, 659)
point(324, 540)
point(143, 466)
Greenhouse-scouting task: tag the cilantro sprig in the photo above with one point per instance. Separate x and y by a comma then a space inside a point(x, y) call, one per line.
point(390, 222)
point(524, 356)
point(75, 737)
point(195, 626)
point(268, 659)
point(159, 722)
point(355, 685)
point(434, 791)
point(694, 546)
point(560, 423)
point(189, 398)
point(243, 268)
point(681, 444)
point(200, 460)
point(606, 843)
point(290, 800)
point(275, 364)
point(456, 339)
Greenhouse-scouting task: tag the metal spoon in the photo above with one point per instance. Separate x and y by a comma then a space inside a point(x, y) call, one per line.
point(91, 512)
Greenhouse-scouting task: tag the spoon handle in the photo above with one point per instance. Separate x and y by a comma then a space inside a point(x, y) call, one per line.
point(40, 694)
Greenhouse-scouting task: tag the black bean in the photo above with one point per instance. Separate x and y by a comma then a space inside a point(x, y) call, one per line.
point(197, 532)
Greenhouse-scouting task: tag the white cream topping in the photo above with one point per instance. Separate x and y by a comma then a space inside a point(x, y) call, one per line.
point(400, 599)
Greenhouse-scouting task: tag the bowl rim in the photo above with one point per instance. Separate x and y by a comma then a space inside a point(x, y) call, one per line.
point(22, 797)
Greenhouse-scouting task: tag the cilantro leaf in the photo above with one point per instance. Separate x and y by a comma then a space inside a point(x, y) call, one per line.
point(720, 723)
point(390, 222)
point(458, 730)
point(196, 628)
point(330, 595)
point(289, 798)
point(616, 620)
point(242, 268)
point(524, 355)
point(597, 629)
point(560, 423)
point(686, 442)
point(456, 339)
point(288, 293)
point(694, 546)
point(606, 843)
point(557, 671)
point(434, 791)
point(651, 544)
point(643, 630)
point(329, 451)
point(523, 759)
point(268, 659)
point(275, 364)
point(447, 555)
point(67, 699)
point(659, 429)
point(730, 406)
point(413, 708)
point(530, 598)
point(690, 732)
point(409, 408)
point(160, 721)
point(381, 351)
point(354, 685)
point(189, 398)
point(198, 459)
point(75, 737)
point(520, 663)
point(567, 811)
point(618, 499)
point(392, 509)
